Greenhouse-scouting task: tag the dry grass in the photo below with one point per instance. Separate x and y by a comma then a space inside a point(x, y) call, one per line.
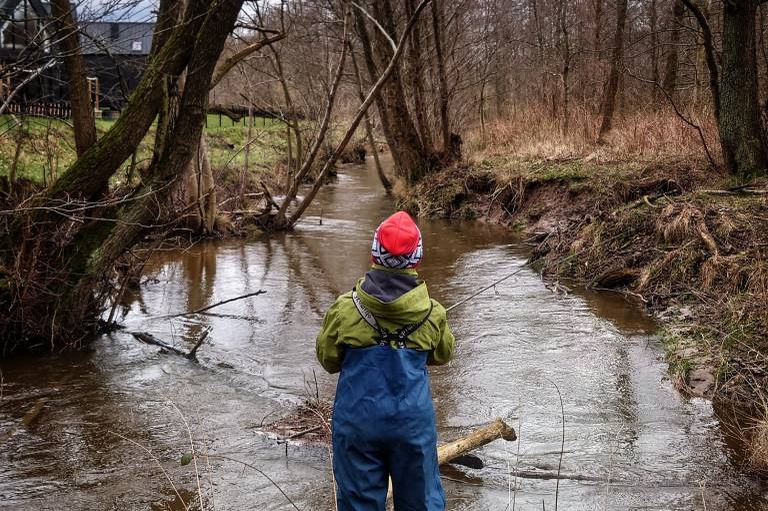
point(758, 447)
point(642, 136)
point(637, 214)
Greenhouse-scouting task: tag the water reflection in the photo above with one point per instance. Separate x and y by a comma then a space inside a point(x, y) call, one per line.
point(631, 442)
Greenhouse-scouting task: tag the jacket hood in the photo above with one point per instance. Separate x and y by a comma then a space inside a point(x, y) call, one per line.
point(409, 307)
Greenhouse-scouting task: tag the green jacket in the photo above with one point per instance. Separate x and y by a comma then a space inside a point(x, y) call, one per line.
point(344, 327)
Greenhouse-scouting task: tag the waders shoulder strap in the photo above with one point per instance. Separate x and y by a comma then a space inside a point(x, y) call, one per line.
point(385, 336)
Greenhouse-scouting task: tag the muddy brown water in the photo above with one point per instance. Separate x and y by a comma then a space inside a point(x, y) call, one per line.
point(106, 428)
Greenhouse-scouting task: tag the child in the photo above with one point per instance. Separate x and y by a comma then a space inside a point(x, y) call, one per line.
point(381, 336)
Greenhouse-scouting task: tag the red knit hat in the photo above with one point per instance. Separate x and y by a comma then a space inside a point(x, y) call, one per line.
point(397, 242)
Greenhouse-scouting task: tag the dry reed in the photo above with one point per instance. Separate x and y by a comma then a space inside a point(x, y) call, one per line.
point(641, 136)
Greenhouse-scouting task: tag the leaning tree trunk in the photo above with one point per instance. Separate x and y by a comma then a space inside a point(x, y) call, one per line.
point(61, 266)
point(181, 148)
point(385, 182)
point(609, 100)
point(741, 135)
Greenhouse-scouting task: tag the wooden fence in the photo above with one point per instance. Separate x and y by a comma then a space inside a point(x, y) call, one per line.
point(56, 110)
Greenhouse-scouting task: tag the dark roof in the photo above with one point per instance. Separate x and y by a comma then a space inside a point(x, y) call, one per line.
point(8, 6)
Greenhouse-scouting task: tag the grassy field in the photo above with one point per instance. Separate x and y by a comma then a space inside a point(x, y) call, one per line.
point(47, 145)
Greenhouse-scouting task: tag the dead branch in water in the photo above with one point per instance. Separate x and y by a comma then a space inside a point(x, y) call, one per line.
point(547, 476)
point(148, 338)
point(209, 307)
point(478, 438)
point(192, 355)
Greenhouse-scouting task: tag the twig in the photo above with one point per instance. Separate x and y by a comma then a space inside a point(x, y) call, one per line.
point(562, 442)
point(151, 339)
point(192, 354)
point(192, 447)
point(245, 464)
point(34, 74)
point(157, 462)
point(679, 114)
point(302, 433)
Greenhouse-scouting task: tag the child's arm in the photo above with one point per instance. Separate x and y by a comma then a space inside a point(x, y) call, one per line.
point(444, 348)
point(328, 353)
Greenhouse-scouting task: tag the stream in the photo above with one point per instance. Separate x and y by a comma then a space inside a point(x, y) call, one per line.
point(106, 428)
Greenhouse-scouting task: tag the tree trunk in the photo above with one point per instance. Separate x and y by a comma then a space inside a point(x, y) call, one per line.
point(670, 73)
point(598, 34)
point(292, 122)
point(654, 53)
point(611, 91)
point(445, 124)
point(415, 66)
point(565, 44)
point(410, 158)
point(368, 126)
point(740, 131)
point(72, 56)
point(57, 291)
point(708, 49)
point(201, 191)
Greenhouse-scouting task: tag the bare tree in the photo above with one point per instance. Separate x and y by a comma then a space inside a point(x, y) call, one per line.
point(62, 244)
point(612, 88)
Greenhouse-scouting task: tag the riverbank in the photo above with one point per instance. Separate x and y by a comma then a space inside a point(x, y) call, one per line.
point(687, 242)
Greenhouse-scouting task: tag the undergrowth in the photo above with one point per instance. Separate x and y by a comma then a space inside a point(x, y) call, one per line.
point(646, 215)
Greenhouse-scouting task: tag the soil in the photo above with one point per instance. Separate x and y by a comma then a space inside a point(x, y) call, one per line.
point(689, 244)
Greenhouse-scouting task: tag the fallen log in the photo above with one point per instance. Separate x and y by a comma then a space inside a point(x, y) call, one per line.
point(478, 438)
point(497, 429)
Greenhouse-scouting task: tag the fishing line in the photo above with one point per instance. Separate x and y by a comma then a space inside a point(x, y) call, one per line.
point(521, 268)
point(489, 286)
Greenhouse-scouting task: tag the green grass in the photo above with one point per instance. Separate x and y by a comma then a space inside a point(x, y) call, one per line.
point(48, 145)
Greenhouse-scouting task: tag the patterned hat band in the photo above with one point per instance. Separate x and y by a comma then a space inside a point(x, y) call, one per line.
point(382, 257)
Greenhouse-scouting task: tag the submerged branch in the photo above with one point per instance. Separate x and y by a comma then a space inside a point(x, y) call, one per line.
point(209, 307)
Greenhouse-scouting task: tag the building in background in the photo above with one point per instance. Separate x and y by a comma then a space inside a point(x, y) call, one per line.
point(116, 47)
point(115, 54)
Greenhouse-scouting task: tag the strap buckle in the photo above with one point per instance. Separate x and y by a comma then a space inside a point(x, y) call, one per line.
point(385, 337)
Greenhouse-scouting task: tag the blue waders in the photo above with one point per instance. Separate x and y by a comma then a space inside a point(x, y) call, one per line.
point(384, 425)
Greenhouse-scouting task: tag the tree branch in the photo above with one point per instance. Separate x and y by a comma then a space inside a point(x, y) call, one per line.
point(359, 116)
point(234, 59)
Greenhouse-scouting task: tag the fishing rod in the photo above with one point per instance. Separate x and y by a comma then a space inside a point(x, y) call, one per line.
point(518, 270)
point(489, 286)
